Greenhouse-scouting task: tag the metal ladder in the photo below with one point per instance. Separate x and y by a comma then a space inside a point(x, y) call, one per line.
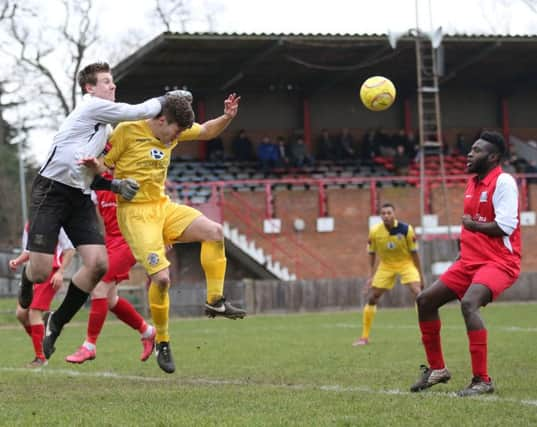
point(429, 118)
point(430, 127)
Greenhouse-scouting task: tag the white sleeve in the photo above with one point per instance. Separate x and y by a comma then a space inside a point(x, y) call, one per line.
point(505, 203)
point(63, 241)
point(94, 197)
point(25, 240)
point(106, 111)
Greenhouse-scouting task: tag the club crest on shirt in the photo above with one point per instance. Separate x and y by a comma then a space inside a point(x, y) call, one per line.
point(483, 197)
point(152, 258)
point(156, 154)
point(390, 245)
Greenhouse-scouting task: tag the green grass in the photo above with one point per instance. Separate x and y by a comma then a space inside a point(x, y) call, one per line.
point(280, 370)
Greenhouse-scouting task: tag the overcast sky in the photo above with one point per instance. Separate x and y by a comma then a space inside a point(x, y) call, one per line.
point(314, 16)
point(342, 16)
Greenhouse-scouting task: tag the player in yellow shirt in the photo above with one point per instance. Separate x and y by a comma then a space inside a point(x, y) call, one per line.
point(394, 243)
point(150, 221)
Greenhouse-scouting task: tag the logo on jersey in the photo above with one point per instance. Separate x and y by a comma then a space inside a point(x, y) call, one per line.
point(390, 245)
point(483, 197)
point(156, 154)
point(152, 259)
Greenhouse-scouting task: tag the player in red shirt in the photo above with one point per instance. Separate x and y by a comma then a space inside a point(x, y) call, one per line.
point(43, 293)
point(104, 297)
point(488, 264)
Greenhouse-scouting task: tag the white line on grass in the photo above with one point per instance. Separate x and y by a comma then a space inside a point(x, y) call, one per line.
point(204, 381)
point(415, 326)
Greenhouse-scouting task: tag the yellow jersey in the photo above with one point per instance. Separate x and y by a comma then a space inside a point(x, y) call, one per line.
point(393, 247)
point(136, 153)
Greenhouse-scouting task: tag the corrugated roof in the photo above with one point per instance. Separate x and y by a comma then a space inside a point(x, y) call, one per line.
point(208, 62)
point(359, 35)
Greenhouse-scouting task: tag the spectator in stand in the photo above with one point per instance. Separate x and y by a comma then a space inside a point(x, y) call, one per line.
point(345, 144)
point(367, 148)
point(281, 145)
point(298, 154)
point(461, 145)
point(242, 147)
point(519, 163)
point(412, 145)
point(401, 161)
point(400, 139)
point(508, 167)
point(531, 167)
point(268, 154)
point(215, 150)
point(384, 143)
point(325, 147)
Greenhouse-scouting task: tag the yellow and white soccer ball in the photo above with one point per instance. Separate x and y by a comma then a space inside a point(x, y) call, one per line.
point(377, 93)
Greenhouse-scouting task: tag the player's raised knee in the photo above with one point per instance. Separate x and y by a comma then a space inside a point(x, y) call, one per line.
point(218, 231)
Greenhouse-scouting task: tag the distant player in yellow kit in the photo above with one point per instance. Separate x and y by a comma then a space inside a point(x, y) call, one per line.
point(149, 222)
point(395, 244)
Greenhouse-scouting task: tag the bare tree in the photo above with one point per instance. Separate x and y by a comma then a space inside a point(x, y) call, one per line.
point(179, 15)
point(532, 4)
point(7, 9)
point(38, 54)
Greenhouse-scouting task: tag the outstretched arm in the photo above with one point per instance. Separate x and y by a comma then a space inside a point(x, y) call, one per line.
point(126, 188)
point(21, 259)
point(212, 128)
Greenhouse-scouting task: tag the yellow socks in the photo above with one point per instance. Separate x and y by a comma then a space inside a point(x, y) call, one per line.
point(213, 261)
point(367, 319)
point(159, 304)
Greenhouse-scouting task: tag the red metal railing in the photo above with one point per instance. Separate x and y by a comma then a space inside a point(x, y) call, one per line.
point(251, 217)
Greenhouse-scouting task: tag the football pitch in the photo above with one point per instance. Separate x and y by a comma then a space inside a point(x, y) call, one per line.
point(280, 370)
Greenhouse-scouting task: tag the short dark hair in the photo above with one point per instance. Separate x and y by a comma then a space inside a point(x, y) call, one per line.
point(387, 205)
point(494, 138)
point(177, 109)
point(88, 74)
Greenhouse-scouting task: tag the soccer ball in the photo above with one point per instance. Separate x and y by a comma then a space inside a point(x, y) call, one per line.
point(377, 93)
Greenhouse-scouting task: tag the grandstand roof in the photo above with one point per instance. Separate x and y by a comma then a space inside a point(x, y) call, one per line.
point(209, 62)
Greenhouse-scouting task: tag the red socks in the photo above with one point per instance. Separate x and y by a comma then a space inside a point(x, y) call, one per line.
point(97, 316)
point(128, 314)
point(478, 351)
point(430, 337)
point(37, 334)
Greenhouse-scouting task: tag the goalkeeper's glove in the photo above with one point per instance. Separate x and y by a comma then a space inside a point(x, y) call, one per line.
point(126, 188)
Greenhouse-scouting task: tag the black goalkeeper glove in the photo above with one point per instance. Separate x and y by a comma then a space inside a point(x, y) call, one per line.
point(126, 188)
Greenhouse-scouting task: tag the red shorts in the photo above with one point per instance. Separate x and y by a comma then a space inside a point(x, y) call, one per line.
point(43, 293)
point(120, 261)
point(459, 277)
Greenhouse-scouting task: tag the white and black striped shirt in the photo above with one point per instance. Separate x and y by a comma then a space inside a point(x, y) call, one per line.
point(84, 133)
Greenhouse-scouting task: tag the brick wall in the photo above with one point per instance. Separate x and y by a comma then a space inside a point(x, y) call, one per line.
point(345, 248)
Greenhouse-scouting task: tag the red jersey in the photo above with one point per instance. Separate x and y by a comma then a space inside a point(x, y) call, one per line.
point(494, 198)
point(107, 205)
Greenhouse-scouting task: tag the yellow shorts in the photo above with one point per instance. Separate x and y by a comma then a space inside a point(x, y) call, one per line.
point(385, 276)
point(149, 227)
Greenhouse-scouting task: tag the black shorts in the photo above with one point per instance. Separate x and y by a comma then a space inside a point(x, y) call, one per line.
point(54, 205)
